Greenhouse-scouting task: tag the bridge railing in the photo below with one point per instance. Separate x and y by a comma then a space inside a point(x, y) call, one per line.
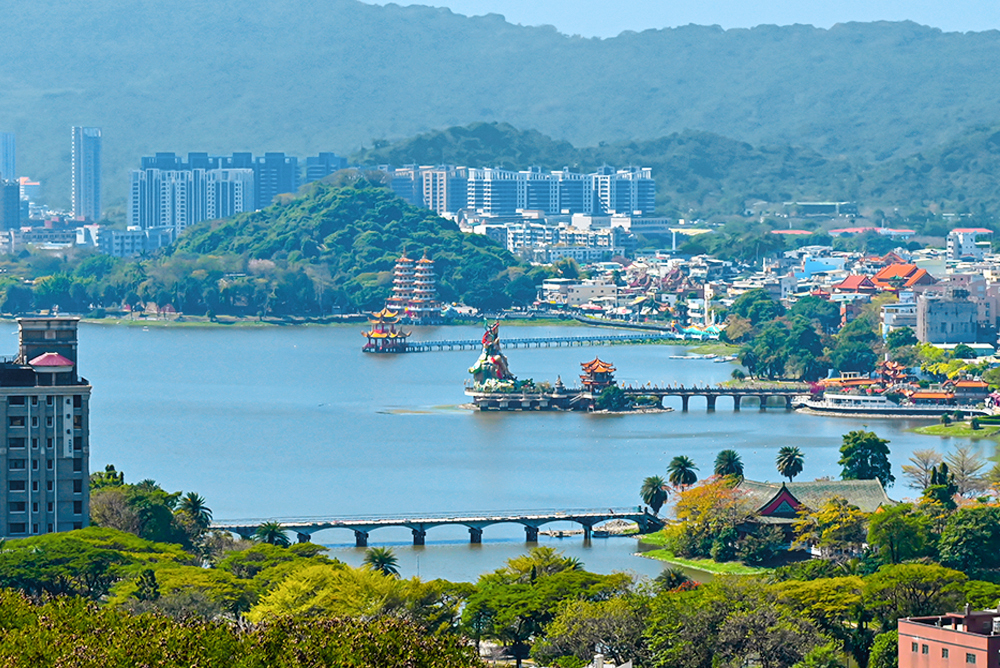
point(484, 514)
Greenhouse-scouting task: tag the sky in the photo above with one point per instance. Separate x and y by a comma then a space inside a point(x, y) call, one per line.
point(607, 18)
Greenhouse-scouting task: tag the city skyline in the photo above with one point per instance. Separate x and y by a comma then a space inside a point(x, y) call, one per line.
point(86, 172)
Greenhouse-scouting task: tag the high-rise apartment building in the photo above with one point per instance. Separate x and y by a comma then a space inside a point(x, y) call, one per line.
point(322, 165)
point(10, 205)
point(87, 173)
point(179, 198)
point(44, 415)
point(8, 163)
point(276, 174)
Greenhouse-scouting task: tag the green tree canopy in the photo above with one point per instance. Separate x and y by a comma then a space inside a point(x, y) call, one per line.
point(865, 456)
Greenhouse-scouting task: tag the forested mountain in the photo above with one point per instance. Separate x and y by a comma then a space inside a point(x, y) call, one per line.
point(333, 75)
point(703, 174)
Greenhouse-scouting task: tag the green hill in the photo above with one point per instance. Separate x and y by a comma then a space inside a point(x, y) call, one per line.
point(252, 75)
point(703, 174)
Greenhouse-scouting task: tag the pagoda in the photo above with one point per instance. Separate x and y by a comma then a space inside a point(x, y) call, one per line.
point(383, 337)
point(414, 290)
point(597, 375)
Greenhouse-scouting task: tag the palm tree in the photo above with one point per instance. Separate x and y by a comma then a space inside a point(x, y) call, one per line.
point(682, 472)
point(728, 463)
point(383, 560)
point(194, 505)
point(271, 533)
point(789, 462)
point(654, 492)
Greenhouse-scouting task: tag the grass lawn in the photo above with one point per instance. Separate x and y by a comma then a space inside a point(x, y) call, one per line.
point(707, 565)
point(960, 430)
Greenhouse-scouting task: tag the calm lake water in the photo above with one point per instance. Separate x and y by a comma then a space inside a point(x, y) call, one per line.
point(297, 422)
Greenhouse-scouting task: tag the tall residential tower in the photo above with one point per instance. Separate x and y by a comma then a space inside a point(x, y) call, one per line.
point(44, 415)
point(87, 173)
point(8, 165)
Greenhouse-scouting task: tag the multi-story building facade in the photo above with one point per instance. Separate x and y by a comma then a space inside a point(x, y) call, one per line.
point(323, 165)
point(179, 198)
point(274, 174)
point(948, 318)
point(963, 243)
point(87, 173)
point(10, 205)
point(956, 639)
point(44, 414)
point(8, 162)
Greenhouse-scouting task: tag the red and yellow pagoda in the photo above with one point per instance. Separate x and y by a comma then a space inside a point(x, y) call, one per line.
point(597, 375)
point(383, 337)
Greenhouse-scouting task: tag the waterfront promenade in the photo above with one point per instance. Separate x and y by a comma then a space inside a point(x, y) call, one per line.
point(476, 521)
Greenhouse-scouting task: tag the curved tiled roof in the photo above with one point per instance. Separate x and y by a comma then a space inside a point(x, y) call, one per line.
point(51, 359)
point(868, 495)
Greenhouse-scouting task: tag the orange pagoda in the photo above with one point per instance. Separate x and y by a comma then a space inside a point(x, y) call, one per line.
point(414, 290)
point(597, 375)
point(383, 337)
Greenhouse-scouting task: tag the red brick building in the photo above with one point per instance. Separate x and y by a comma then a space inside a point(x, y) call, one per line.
point(954, 640)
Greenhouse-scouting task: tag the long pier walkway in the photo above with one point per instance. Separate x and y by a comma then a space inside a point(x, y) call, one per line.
point(362, 526)
point(554, 341)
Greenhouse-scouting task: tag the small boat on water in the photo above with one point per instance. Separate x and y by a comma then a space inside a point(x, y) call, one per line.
point(879, 405)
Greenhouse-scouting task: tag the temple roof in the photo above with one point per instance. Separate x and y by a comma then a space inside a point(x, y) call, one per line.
point(385, 314)
point(597, 366)
point(868, 495)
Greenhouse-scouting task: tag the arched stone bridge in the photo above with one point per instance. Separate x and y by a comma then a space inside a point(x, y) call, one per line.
point(711, 393)
point(304, 528)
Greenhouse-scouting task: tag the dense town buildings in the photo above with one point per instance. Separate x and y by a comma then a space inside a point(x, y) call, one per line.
point(45, 421)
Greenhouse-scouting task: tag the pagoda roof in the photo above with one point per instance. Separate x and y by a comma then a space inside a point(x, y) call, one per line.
point(51, 360)
point(597, 366)
point(374, 334)
point(385, 314)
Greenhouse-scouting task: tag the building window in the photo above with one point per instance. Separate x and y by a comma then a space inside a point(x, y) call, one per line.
point(970, 658)
point(48, 464)
point(48, 421)
point(77, 422)
point(34, 485)
point(34, 420)
point(15, 401)
point(78, 507)
point(78, 487)
point(34, 443)
point(15, 442)
point(17, 506)
point(944, 652)
point(34, 528)
point(15, 421)
point(15, 485)
point(48, 400)
point(48, 443)
point(77, 525)
point(15, 464)
point(34, 464)
point(34, 509)
point(77, 401)
point(17, 527)
point(77, 465)
point(50, 528)
point(78, 443)
point(34, 401)
point(48, 508)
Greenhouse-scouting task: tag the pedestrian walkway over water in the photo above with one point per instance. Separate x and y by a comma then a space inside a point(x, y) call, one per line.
point(555, 341)
point(476, 521)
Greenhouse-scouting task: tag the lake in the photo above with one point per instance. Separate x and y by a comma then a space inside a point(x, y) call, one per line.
point(280, 422)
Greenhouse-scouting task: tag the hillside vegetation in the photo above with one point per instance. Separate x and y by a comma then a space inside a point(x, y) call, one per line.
point(253, 75)
point(699, 173)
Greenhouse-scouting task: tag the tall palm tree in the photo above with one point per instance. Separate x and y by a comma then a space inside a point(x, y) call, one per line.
point(682, 472)
point(272, 533)
point(728, 463)
point(789, 462)
point(194, 505)
point(383, 560)
point(654, 492)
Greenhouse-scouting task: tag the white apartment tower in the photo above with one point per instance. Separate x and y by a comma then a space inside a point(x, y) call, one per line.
point(87, 173)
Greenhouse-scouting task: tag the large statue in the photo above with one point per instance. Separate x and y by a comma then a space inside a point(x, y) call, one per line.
point(491, 365)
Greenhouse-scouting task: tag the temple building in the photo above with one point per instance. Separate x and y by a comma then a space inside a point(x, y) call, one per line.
point(597, 375)
point(383, 336)
point(414, 290)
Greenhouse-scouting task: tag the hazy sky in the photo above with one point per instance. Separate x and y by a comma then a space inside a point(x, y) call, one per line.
point(607, 18)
